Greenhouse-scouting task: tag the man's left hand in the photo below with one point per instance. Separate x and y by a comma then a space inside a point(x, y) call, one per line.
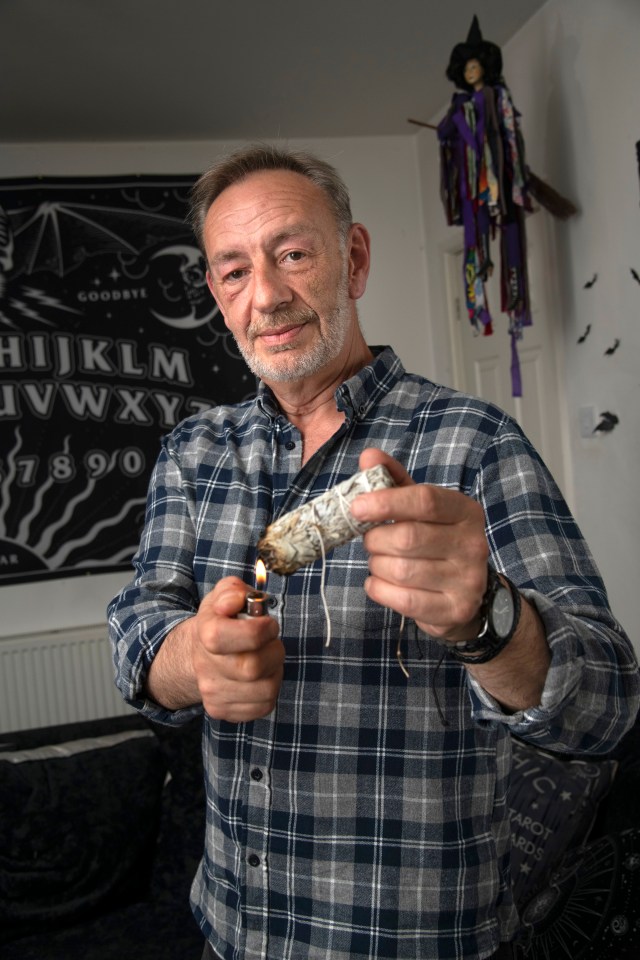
point(428, 558)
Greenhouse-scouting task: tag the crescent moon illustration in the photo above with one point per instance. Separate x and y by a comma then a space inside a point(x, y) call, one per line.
point(189, 321)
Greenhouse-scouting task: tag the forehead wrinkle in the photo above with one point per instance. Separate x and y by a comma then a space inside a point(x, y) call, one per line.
point(265, 209)
point(293, 231)
point(224, 256)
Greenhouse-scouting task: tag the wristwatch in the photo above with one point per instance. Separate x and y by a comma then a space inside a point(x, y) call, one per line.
point(500, 614)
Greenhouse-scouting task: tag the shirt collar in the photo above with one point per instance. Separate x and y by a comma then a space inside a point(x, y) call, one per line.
point(364, 390)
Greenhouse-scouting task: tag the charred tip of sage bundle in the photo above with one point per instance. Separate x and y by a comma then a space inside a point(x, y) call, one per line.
point(303, 535)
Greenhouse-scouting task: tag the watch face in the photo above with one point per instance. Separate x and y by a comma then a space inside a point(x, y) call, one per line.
point(502, 611)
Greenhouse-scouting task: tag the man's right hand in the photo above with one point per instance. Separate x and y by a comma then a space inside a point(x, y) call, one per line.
point(234, 667)
point(238, 664)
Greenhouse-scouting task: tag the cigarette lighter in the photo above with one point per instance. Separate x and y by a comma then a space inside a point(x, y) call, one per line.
point(255, 605)
point(256, 602)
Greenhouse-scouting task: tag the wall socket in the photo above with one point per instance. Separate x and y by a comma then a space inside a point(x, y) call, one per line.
point(587, 421)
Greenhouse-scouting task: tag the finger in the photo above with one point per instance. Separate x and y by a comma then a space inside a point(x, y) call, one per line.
point(249, 667)
point(230, 700)
point(372, 457)
point(227, 598)
point(243, 686)
point(411, 539)
point(423, 502)
point(431, 574)
point(220, 631)
point(431, 577)
point(418, 605)
point(438, 612)
point(226, 636)
point(241, 710)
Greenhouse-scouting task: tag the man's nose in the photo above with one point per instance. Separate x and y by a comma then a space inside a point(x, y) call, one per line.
point(270, 289)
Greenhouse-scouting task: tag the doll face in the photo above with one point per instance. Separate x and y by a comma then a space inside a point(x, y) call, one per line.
point(473, 73)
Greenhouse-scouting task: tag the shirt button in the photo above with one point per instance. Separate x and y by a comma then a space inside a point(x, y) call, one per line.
point(254, 860)
point(272, 601)
point(256, 774)
point(290, 445)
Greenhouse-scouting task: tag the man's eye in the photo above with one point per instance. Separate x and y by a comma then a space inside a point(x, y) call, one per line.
point(294, 256)
point(234, 275)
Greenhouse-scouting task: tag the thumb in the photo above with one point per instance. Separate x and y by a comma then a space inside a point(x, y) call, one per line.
point(226, 599)
point(371, 457)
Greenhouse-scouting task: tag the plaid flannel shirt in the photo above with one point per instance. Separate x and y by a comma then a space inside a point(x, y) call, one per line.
point(354, 820)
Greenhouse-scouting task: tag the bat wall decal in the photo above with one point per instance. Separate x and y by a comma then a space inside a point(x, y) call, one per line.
point(585, 334)
point(607, 422)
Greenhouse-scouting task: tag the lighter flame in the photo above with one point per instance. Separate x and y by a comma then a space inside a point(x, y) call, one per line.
point(261, 575)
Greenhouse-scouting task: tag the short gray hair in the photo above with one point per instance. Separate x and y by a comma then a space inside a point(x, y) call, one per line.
point(258, 158)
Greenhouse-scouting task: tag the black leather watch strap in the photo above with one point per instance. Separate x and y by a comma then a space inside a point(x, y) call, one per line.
point(486, 645)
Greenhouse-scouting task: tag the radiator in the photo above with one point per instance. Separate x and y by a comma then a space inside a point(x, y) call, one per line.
point(58, 677)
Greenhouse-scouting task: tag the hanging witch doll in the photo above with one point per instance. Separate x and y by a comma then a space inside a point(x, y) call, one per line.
point(486, 186)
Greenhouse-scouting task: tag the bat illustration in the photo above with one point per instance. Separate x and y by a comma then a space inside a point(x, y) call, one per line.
point(612, 348)
point(634, 274)
point(607, 422)
point(585, 334)
point(591, 282)
point(58, 237)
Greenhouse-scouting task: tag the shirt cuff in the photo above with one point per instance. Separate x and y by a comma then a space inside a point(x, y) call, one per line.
point(174, 718)
point(562, 680)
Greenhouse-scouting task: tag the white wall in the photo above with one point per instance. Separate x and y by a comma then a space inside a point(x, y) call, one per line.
point(574, 73)
point(382, 175)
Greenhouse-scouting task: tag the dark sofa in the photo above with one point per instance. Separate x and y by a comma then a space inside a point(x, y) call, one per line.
point(100, 836)
point(102, 830)
point(576, 853)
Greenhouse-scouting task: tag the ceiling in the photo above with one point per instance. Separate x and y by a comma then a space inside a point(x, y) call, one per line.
point(253, 69)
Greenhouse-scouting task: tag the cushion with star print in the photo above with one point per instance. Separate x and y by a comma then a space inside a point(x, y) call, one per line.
point(553, 802)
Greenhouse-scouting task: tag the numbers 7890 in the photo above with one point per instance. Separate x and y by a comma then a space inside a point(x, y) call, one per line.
point(61, 467)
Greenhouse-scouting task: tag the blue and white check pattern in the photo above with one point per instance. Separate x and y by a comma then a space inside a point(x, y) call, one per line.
point(353, 821)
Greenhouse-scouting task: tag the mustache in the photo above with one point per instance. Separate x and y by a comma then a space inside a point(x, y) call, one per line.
point(286, 317)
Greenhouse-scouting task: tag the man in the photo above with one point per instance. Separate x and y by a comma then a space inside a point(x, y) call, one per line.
point(353, 811)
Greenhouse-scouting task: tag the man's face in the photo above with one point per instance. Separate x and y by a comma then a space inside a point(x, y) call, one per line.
point(279, 272)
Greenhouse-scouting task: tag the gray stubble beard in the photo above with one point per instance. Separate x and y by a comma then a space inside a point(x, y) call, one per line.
point(325, 349)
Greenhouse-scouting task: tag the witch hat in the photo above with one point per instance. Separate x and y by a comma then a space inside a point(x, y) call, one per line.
point(475, 48)
point(474, 37)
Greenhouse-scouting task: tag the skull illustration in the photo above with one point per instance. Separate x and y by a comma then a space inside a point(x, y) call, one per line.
point(184, 299)
point(193, 276)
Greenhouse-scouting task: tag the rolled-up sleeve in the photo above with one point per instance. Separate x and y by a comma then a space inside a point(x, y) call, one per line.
point(161, 595)
point(592, 690)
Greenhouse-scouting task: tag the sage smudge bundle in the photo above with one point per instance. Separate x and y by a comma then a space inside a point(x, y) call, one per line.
point(306, 534)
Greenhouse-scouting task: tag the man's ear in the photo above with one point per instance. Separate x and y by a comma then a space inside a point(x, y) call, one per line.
point(359, 254)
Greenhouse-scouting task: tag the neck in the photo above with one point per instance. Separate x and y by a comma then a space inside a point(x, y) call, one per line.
point(309, 403)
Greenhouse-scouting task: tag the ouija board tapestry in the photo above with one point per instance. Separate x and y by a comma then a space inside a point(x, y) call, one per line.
point(108, 337)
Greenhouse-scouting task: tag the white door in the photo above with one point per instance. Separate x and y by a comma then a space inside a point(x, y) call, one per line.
point(482, 365)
